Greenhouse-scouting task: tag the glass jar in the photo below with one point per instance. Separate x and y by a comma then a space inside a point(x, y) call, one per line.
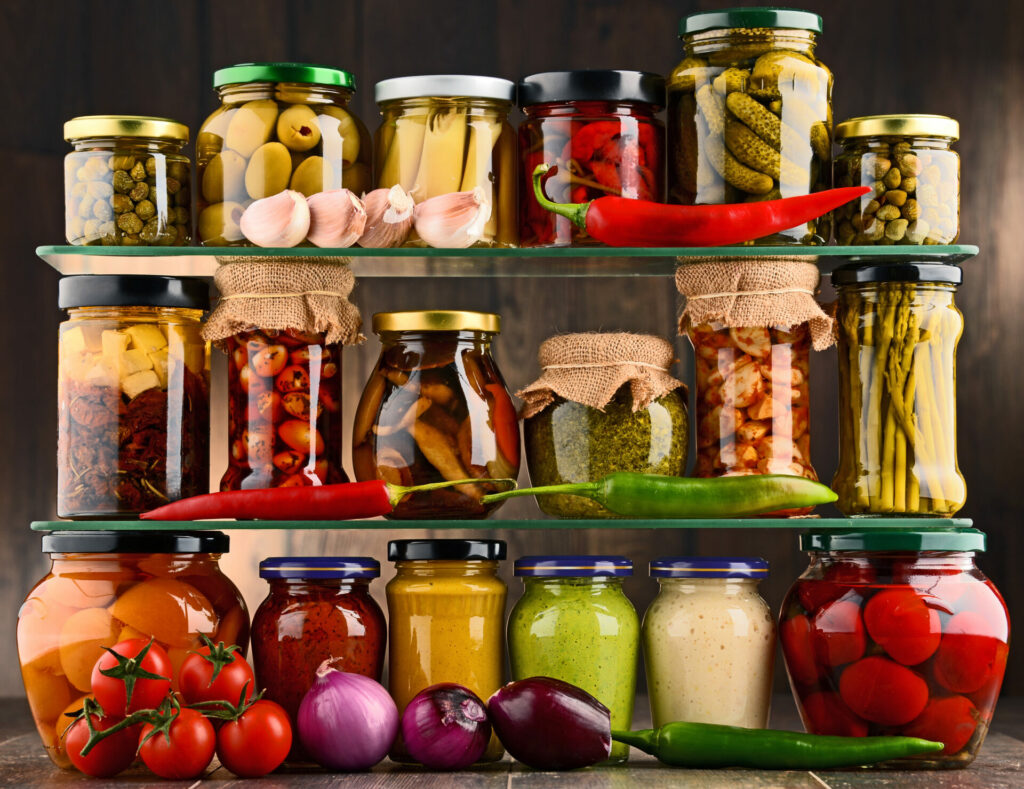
point(133, 402)
point(463, 142)
point(284, 410)
point(750, 113)
point(752, 401)
point(572, 442)
point(601, 130)
point(127, 182)
point(709, 642)
point(106, 586)
point(574, 623)
point(436, 408)
point(280, 126)
point(914, 176)
point(446, 612)
point(898, 332)
point(317, 609)
point(897, 632)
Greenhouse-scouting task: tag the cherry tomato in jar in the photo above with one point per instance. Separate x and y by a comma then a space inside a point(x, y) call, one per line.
point(300, 437)
point(206, 678)
point(109, 756)
point(839, 580)
point(796, 637)
point(882, 691)
point(258, 742)
point(827, 714)
point(967, 656)
point(292, 379)
point(185, 751)
point(951, 721)
point(899, 621)
point(838, 633)
point(113, 673)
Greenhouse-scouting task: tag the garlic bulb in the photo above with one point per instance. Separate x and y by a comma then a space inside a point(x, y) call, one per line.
point(336, 218)
point(388, 217)
point(453, 221)
point(281, 220)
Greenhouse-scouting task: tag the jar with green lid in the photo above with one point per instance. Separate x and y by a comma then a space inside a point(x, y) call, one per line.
point(127, 183)
point(750, 113)
point(574, 623)
point(603, 403)
point(898, 331)
point(914, 176)
point(280, 126)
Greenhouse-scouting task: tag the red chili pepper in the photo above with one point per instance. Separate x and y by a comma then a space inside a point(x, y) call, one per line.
point(623, 222)
point(504, 423)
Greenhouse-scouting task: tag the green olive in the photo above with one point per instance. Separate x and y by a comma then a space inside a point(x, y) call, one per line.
point(340, 134)
point(218, 224)
point(251, 126)
point(269, 170)
point(297, 128)
point(356, 178)
point(311, 176)
point(224, 177)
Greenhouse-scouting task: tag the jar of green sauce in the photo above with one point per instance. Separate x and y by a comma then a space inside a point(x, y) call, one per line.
point(574, 623)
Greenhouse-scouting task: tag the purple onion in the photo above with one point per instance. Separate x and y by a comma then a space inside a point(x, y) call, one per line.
point(445, 727)
point(346, 721)
point(548, 724)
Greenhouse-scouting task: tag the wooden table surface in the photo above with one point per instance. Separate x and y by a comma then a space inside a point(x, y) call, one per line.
point(999, 766)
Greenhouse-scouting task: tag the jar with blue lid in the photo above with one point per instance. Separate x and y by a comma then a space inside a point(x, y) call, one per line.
point(574, 623)
point(709, 642)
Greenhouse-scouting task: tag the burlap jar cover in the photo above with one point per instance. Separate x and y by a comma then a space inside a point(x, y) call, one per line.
point(590, 368)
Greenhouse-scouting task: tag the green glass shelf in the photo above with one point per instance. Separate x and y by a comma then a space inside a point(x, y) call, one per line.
point(533, 524)
point(475, 262)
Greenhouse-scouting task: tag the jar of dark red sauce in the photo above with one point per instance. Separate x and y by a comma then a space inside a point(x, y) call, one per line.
point(317, 608)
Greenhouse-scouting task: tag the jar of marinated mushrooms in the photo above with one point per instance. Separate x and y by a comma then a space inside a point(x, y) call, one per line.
point(750, 113)
point(914, 176)
point(436, 409)
point(280, 126)
point(127, 183)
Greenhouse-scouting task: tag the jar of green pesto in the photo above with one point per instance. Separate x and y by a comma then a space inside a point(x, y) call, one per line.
point(604, 403)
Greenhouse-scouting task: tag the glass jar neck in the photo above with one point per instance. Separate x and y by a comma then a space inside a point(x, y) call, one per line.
point(455, 568)
point(147, 144)
point(122, 313)
point(723, 586)
point(929, 561)
point(571, 109)
point(930, 143)
point(292, 92)
point(472, 339)
point(70, 562)
point(559, 585)
point(869, 288)
point(299, 586)
point(421, 104)
point(698, 44)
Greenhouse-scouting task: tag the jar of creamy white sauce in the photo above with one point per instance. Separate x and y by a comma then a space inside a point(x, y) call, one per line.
point(709, 642)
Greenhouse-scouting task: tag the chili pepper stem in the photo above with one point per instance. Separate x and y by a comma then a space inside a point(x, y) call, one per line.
point(569, 488)
point(574, 212)
point(638, 739)
point(398, 492)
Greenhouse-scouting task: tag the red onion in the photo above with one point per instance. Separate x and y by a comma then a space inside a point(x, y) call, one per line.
point(548, 724)
point(346, 721)
point(445, 727)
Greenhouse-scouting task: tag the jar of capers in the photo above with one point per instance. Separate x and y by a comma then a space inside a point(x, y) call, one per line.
point(914, 176)
point(127, 183)
point(280, 126)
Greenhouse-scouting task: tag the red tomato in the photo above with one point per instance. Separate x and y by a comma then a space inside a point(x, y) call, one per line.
point(147, 694)
point(838, 632)
point(826, 714)
point(882, 691)
point(839, 579)
point(967, 656)
point(185, 751)
point(269, 361)
point(951, 721)
point(197, 682)
point(108, 757)
point(903, 625)
point(258, 742)
point(797, 647)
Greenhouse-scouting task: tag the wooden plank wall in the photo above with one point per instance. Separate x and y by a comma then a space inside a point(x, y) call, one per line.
point(63, 59)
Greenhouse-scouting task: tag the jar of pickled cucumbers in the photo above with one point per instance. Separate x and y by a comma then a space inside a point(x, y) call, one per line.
point(463, 143)
point(898, 331)
point(280, 126)
point(750, 113)
point(436, 409)
point(914, 176)
point(127, 183)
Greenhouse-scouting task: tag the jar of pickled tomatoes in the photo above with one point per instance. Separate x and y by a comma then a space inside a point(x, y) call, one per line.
point(897, 632)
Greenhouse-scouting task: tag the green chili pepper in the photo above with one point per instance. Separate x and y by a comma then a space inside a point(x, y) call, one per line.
point(710, 745)
point(634, 495)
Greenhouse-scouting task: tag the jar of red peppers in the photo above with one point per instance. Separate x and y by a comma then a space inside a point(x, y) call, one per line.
point(601, 131)
point(318, 608)
point(897, 632)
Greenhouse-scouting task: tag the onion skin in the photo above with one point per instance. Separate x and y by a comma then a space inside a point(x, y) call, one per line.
point(445, 727)
point(548, 724)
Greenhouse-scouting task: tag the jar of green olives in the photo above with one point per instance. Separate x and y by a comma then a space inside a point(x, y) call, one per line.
point(280, 126)
point(127, 182)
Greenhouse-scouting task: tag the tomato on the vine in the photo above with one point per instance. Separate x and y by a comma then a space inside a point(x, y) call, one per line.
point(134, 674)
point(257, 742)
point(181, 747)
point(109, 756)
point(216, 673)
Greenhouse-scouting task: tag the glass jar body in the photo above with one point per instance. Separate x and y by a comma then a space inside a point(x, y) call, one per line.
point(600, 148)
point(132, 408)
point(905, 643)
point(772, 139)
point(897, 400)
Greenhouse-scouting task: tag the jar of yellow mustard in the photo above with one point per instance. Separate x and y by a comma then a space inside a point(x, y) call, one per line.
point(446, 608)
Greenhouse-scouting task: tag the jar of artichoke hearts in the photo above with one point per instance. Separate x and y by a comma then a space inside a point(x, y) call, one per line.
point(750, 113)
point(127, 183)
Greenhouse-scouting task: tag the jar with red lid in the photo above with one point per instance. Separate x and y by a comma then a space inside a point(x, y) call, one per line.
point(897, 632)
point(600, 129)
point(318, 608)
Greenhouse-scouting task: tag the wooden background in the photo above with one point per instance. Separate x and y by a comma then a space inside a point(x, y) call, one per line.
point(58, 60)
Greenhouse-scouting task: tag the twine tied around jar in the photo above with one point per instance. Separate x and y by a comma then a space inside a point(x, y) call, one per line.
point(590, 368)
point(766, 291)
point(278, 294)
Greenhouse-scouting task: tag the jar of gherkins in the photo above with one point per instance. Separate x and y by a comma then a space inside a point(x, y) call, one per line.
point(280, 126)
point(750, 113)
point(914, 177)
point(127, 183)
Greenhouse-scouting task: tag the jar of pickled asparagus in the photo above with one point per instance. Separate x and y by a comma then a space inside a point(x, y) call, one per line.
point(898, 331)
point(750, 113)
point(445, 134)
point(436, 409)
